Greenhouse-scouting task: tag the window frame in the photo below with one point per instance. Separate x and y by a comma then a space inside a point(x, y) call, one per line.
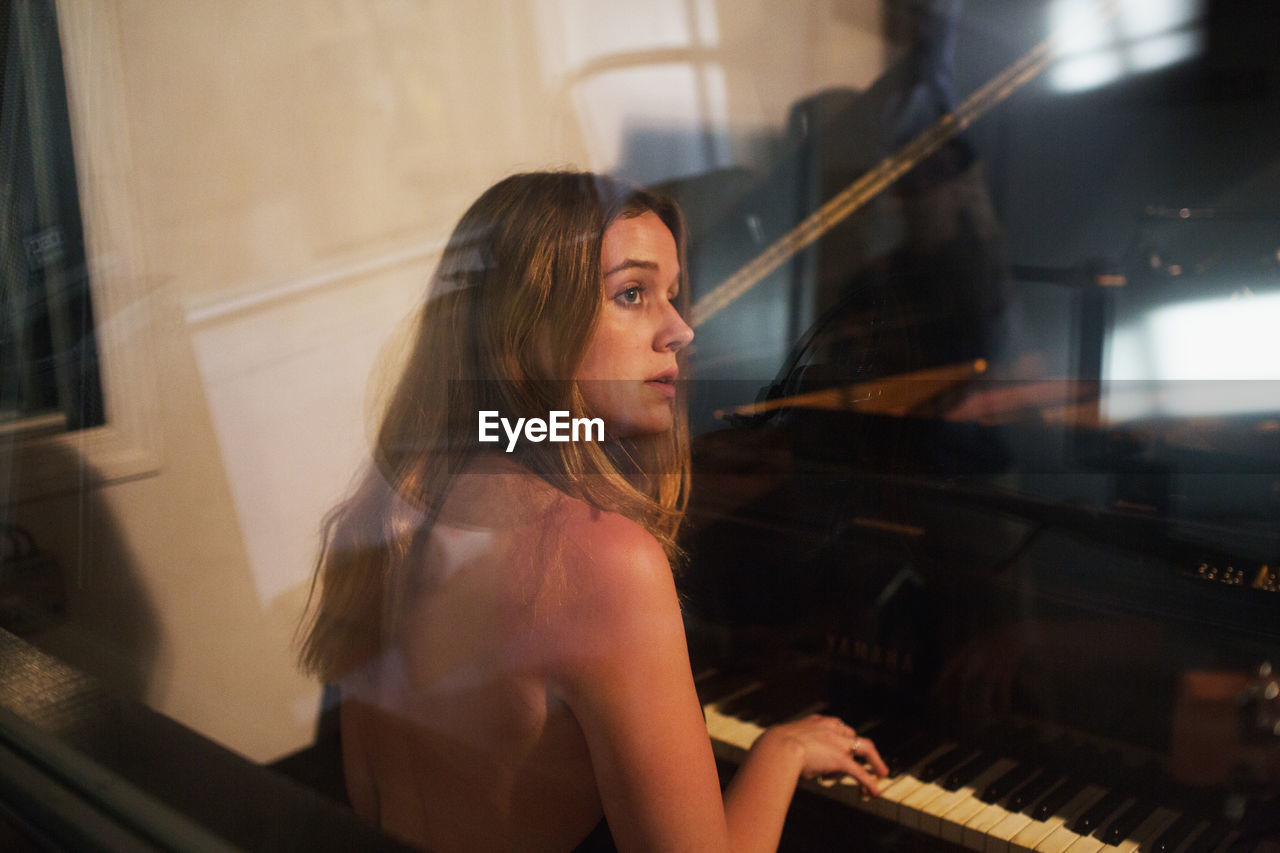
point(126, 300)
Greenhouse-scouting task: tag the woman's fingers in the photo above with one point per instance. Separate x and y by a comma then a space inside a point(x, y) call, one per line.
point(834, 750)
point(855, 772)
point(865, 778)
point(865, 765)
point(860, 761)
point(865, 750)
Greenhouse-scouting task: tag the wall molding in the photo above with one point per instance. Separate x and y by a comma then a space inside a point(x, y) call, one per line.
point(339, 272)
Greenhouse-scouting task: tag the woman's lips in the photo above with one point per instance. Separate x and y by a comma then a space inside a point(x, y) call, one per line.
point(663, 385)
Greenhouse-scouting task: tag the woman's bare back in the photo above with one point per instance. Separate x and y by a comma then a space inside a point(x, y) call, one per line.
point(454, 737)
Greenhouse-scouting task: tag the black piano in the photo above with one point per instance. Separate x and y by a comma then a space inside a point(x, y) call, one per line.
point(987, 456)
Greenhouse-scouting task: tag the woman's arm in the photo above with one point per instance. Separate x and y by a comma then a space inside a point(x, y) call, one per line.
point(624, 672)
point(815, 746)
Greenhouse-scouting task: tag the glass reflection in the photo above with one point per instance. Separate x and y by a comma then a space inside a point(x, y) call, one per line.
point(982, 450)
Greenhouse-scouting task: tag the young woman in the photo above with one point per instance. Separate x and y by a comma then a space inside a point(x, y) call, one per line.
point(502, 616)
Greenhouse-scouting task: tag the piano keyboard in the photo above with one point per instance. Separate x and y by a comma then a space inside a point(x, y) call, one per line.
point(1001, 793)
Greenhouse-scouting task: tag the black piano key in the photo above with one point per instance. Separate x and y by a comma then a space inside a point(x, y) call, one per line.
point(714, 685)
point(876, 730)
point(1096, 816)
point(945, 762)
point(743, 707)
point(887, 733)
point(1128, 820)
point(1006, 783)
point(1210, 838)
point(916, 750)
point(1176, 834)
point(1057, 761)
point(1031, 793)
point(776, 700)
point(890, 740)
point(1050, 804)
point(902, 745)
point(1080, 769)
point(891, 732)
point(970, 770)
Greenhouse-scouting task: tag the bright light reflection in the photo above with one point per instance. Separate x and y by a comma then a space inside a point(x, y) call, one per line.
point(1078, 26)
point(648, 92)
point(1087, 72)
point(672, 116)
point(1096, 48)
point(1139, 19)
point(1220, 340)
point(1160, 51)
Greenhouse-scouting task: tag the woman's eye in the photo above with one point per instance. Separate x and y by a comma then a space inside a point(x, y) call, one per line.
point(630, 296)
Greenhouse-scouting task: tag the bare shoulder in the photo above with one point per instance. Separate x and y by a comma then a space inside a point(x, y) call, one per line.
point(609, 555)
point(562, 558)
point(616, 595)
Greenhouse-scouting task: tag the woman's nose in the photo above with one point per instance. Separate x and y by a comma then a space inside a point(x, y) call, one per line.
point(676, 334)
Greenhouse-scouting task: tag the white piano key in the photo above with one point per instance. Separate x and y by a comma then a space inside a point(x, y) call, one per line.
point(953, 822)
point(1057, 841)
point(729, 730)
point(1085, 844)
point(980, 824)
point(999, 836)
point(957, 816)
point(900, 787)
point(900, 793)
point(935, 811)
point(912, 809)
point(1028, 839)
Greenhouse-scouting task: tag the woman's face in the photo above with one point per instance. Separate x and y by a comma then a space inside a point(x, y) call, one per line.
point(628, 373)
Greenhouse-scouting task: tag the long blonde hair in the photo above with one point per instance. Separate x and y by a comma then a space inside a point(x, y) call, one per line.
point(518, 285)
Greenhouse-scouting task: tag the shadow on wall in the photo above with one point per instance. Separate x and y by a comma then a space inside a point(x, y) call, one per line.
point(69, 586)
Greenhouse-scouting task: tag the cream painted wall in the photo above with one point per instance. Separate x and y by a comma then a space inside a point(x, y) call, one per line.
point(290, 170)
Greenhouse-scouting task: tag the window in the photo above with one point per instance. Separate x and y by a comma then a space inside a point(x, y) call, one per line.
point(77, 398)
point(48, 358)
